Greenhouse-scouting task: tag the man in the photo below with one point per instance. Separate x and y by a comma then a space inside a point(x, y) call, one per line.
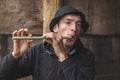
point(56, 58)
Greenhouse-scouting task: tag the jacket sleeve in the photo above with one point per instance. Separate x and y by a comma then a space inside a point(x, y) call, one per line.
point(11, 68)
point(85, 70)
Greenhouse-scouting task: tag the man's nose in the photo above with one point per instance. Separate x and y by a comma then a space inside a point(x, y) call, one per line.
point(74, 27)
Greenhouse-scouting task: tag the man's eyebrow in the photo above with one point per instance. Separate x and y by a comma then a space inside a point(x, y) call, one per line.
point(69, 19)
point(73, 20)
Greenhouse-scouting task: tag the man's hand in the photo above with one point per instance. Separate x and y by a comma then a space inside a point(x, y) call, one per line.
point(56, 41)
point(20, 46)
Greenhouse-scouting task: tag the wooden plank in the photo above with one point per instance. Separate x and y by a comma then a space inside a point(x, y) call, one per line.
point(4, 45)
point(49, 9)
point(118, 16)
point(104, 20)
point(116, 49)
point(100, 46)
point(14, 12)
point(81, 5)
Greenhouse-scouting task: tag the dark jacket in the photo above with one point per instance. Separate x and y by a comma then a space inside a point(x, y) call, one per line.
point(41, 62)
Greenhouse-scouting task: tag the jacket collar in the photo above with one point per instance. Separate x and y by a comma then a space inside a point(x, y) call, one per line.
point(50, 50)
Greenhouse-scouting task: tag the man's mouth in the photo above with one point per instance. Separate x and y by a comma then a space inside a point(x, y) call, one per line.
point(72, 38)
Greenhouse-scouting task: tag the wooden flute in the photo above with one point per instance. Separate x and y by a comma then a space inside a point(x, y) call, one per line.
point(34, 37)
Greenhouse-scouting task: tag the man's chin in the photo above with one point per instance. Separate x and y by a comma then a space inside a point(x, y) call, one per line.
point(70, 43)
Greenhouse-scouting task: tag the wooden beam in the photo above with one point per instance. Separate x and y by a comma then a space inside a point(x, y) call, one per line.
point(49, 9)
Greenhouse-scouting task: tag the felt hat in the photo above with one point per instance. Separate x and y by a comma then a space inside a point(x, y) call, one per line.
point(68, 10)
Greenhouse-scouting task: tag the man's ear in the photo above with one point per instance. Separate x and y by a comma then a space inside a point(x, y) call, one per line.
point(55, 28)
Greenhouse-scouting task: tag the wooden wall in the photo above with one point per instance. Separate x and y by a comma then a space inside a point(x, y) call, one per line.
point(102, 38)
point(16, 14)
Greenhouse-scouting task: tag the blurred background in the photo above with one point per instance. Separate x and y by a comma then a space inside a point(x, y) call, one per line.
point(102, 38)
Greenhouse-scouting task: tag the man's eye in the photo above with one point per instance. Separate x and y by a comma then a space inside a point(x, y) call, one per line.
point(68, 22)
point(79, 24)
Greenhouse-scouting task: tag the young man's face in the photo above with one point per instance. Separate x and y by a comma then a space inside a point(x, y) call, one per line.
point(69, 25)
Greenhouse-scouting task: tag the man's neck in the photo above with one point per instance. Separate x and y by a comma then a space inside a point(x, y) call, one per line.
point(68, 49)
